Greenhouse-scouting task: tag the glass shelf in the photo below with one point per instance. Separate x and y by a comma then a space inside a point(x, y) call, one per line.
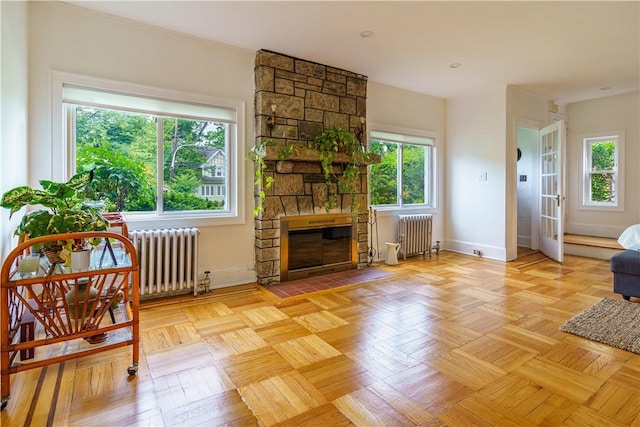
point(103, 257)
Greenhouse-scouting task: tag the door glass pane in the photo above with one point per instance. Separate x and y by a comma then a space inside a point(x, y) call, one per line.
point(549, 228)
point(546, 144)
point(546, 164)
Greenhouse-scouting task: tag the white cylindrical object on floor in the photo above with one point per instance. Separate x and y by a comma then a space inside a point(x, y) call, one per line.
point(392, 253)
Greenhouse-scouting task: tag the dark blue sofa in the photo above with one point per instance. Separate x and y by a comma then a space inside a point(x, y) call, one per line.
point(626, 273)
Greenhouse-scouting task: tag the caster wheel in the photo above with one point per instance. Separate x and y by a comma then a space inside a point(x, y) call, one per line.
point(132, 369)
point(3, 404)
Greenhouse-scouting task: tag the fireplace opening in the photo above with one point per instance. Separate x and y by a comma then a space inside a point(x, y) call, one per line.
point(312, 245)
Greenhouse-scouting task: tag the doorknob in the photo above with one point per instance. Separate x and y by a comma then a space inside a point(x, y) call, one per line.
point(558, 199)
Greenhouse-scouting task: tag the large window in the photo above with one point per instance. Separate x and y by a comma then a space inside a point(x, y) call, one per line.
point(405, 175)
point(602, 178)
point(152, 155)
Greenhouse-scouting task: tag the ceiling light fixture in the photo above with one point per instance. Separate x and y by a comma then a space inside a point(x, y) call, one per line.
point(366, 34)
point(455, 65)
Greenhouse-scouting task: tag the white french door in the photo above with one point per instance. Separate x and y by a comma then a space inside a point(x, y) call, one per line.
point(551, 221)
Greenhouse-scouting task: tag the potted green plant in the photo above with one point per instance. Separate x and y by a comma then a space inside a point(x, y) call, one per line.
point(66, 210)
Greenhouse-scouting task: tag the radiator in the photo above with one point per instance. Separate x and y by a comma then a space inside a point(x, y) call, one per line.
point(168, 261)
point(414, 234)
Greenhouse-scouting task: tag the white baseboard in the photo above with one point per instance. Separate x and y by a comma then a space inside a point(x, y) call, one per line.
point(232, 277)
point(524, 241)
point(486, 251)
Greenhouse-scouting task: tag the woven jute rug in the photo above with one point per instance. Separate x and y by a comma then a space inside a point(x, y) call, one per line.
point(612, 322)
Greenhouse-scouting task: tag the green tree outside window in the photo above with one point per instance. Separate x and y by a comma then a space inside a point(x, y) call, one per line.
point(122, 147)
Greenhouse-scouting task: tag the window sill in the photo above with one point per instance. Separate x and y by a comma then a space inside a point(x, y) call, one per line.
point(396, 210)
point(138, 221)
point(602, 208)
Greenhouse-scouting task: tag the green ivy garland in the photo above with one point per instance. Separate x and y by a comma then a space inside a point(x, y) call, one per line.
point(328, 144)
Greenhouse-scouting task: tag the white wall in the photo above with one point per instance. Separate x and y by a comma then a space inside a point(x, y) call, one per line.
point(599, 115)
point(409, 110)
point(70, 39)
point(13, 111)
point(476, 127)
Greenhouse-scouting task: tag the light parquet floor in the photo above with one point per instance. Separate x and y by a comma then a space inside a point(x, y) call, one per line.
point(452, 340)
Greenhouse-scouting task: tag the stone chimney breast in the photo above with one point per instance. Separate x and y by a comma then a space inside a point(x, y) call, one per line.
point(309, 98)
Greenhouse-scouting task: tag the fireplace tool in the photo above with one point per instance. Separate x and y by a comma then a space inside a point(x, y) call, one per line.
point(372, 220)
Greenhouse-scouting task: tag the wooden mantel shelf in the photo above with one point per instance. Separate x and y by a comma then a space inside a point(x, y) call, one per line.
point(305, 154)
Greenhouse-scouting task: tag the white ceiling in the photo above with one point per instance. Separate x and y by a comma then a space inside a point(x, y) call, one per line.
point(562, 51)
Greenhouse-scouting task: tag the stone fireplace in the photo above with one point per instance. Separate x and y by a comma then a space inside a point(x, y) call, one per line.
point(307, 98)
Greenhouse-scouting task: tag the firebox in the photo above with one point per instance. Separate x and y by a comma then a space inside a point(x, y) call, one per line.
point(312, 245)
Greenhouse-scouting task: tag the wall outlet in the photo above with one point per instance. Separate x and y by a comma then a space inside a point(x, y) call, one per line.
point(477, 252)
point(483, 176)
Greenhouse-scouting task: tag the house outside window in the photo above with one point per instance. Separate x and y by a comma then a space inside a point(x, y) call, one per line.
point(405, 176)
point(213, 192)
point(152, 155)
point(213, 177)
point(215, 163)
point(602, 177)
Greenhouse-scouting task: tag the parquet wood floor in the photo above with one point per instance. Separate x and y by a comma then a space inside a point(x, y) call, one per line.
point(452, 340)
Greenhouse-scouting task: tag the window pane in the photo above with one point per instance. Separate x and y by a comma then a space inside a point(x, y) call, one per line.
point(603, 183)
point(121, 148)
point(413, 174)
point(383, 177)
point(193, 150)
point(603, 188)
point(603, 155)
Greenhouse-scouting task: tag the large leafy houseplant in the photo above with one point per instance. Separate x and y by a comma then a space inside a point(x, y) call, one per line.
point(66, 209)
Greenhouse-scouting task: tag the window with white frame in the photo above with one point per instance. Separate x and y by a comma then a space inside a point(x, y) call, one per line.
point(602, 181)
point(405, 175)
point(150, 154)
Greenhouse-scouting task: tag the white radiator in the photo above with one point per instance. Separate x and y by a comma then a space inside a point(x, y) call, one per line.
point(414, 234)
point(168, 260)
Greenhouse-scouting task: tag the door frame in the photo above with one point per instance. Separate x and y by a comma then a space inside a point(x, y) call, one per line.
point(512, 244)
